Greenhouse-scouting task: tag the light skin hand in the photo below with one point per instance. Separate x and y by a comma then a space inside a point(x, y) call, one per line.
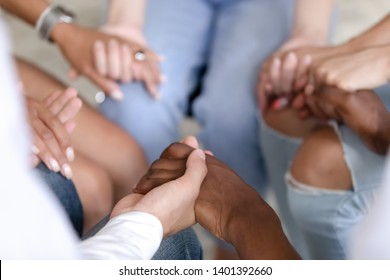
point(363, 69)
point(82, 46)
point(172, 202)
point(51, 123)
point(116, 61)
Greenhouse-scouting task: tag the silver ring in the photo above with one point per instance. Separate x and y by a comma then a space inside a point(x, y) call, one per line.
point(140, 56)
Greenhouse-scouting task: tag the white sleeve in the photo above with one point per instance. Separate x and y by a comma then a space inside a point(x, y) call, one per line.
point(130, 236)
point(371, 238)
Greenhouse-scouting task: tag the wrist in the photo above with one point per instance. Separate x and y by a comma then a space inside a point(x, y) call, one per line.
point(301, 40)
point(252, 209)
point(131, 33)
point(62, 32)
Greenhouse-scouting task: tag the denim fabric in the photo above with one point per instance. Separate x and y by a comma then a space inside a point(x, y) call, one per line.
point(184, 245)
point(66, 193)
point(231, 38)
point(328, 217)
point(278, 151)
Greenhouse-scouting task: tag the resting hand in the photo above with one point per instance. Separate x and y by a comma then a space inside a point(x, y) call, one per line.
point(105, 58)
point(52, 123)
point(172, 202)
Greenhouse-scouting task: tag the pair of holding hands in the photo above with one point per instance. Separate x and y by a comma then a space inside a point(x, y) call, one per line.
point(330, 83)
point(186, 186)
point(298, 70)
point(108, 56)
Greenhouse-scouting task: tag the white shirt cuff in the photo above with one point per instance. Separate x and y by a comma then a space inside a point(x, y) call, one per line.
point(133, 235)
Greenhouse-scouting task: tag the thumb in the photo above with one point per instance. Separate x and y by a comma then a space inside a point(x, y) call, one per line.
point(196, 170)
point(191, 141)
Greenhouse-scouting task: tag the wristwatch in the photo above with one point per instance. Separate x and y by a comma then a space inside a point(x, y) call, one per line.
point(50, 17)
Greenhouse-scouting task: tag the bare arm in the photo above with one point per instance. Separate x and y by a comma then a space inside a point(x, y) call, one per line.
point(375, 36)
point(312, 20)
point(126, 13)
point(28, 12)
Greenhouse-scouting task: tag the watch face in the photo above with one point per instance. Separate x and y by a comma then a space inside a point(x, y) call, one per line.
point(64, 14)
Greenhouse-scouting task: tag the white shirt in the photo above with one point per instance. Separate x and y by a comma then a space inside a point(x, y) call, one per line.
point(33, 224)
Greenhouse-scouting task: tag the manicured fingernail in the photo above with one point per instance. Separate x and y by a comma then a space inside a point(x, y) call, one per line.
point(35, 150)
point(67, 171)
point(199, 153)
point(70, 154)
point(117, 95)
point(279, 103)
point(54, 165)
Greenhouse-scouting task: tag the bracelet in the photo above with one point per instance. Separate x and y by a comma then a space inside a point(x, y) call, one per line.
point(49, 18)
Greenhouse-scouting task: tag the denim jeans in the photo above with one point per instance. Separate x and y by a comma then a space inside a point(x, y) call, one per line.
point(231, 38)
point(66, 193)
point(320, 222)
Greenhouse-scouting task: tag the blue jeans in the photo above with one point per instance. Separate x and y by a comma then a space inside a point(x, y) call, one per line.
point(320, 222)
point(231, 38)
point(66, 193)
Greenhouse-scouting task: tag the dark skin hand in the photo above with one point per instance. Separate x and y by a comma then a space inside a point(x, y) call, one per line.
point(363, 111)
point(227, 206)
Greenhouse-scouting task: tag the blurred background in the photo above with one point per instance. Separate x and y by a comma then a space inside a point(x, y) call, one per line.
point(353, 17)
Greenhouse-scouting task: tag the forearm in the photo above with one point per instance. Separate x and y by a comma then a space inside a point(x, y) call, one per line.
point(29, 11)
point(312, 19)
point(126, 13)
point(375, 36)
point(257, 233)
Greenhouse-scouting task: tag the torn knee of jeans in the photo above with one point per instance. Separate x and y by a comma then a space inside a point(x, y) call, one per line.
point(294, 184)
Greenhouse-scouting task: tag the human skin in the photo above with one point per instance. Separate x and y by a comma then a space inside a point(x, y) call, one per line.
point(78, 45)
point(311, 28)
point(342, 72)
point(363, 111)
point(173, 201)
point(227, 206)
point(52, 123)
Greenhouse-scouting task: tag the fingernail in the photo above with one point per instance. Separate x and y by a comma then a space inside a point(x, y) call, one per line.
point(54, 165)
point(279, 103)
point(70, 154)
point(35, 150)
point(117, 95)
point(199, 153)
point(67, 171)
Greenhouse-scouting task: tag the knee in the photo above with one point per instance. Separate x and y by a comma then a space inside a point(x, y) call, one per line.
point(319, 162)
point(128, 165)
point(288, 123)
point(95, 190)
